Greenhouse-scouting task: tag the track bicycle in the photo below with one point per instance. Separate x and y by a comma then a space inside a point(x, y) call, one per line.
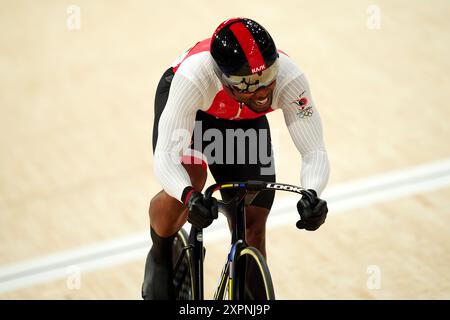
point(245, 275)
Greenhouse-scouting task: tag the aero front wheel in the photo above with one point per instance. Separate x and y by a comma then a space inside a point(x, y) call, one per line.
point(252, 277)
point(183, 272)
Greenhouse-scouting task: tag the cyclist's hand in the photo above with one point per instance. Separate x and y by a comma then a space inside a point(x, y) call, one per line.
point(313, 211)
point(202, 211)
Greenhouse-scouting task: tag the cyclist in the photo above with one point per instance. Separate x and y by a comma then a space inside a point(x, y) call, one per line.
point(223, 87)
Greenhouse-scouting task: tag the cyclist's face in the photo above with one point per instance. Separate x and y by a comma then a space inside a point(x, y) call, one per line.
point(259, 101)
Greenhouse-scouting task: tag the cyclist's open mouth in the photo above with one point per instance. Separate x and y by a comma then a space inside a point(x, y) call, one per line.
point(261, 105)
point(262, 102)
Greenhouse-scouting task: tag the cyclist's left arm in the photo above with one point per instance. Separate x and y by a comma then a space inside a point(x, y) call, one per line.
point(305, 127)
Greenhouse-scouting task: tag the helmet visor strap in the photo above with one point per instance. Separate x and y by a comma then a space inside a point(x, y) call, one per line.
point(251, 83)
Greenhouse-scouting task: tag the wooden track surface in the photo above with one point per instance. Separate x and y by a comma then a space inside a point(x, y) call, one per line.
point(76, 114)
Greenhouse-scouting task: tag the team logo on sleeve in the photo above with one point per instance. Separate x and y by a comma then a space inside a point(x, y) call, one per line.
point(304, 110)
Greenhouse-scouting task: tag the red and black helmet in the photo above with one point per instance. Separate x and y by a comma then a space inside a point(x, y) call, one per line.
point(245, 54)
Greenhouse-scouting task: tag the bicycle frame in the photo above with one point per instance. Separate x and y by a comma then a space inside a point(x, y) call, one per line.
point(238, 242)
point(248, 191)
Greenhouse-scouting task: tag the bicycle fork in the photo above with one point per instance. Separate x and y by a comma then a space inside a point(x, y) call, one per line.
point(227, 277)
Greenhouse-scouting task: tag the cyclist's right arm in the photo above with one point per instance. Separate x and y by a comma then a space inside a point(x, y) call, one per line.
point(174, 134)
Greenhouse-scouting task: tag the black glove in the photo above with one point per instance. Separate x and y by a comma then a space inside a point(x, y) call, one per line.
point(202, 211)
point(313, 211)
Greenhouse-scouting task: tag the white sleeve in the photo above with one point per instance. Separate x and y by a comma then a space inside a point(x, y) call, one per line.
point(174, 134)
point(305, 128)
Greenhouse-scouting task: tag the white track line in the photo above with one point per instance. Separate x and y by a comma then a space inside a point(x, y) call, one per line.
point(360, 193)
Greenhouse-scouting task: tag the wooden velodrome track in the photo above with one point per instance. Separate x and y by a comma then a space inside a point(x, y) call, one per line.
point(76, 114)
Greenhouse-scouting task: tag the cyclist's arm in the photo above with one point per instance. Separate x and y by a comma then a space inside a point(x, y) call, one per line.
point(305, 129)
point(174, 135)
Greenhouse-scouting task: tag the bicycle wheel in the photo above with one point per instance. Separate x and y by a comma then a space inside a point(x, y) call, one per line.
point(252, 277)
point(183, 274)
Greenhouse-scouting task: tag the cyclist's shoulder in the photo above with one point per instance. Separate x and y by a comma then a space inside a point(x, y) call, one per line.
point(197, 68)
point(196, 64)
point(291, 80)
point(194, 60)
point(288, 68)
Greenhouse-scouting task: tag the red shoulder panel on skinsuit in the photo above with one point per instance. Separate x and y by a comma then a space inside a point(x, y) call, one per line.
point(201, 46)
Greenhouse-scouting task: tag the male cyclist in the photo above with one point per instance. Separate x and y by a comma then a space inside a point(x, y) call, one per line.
point(223, 87)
